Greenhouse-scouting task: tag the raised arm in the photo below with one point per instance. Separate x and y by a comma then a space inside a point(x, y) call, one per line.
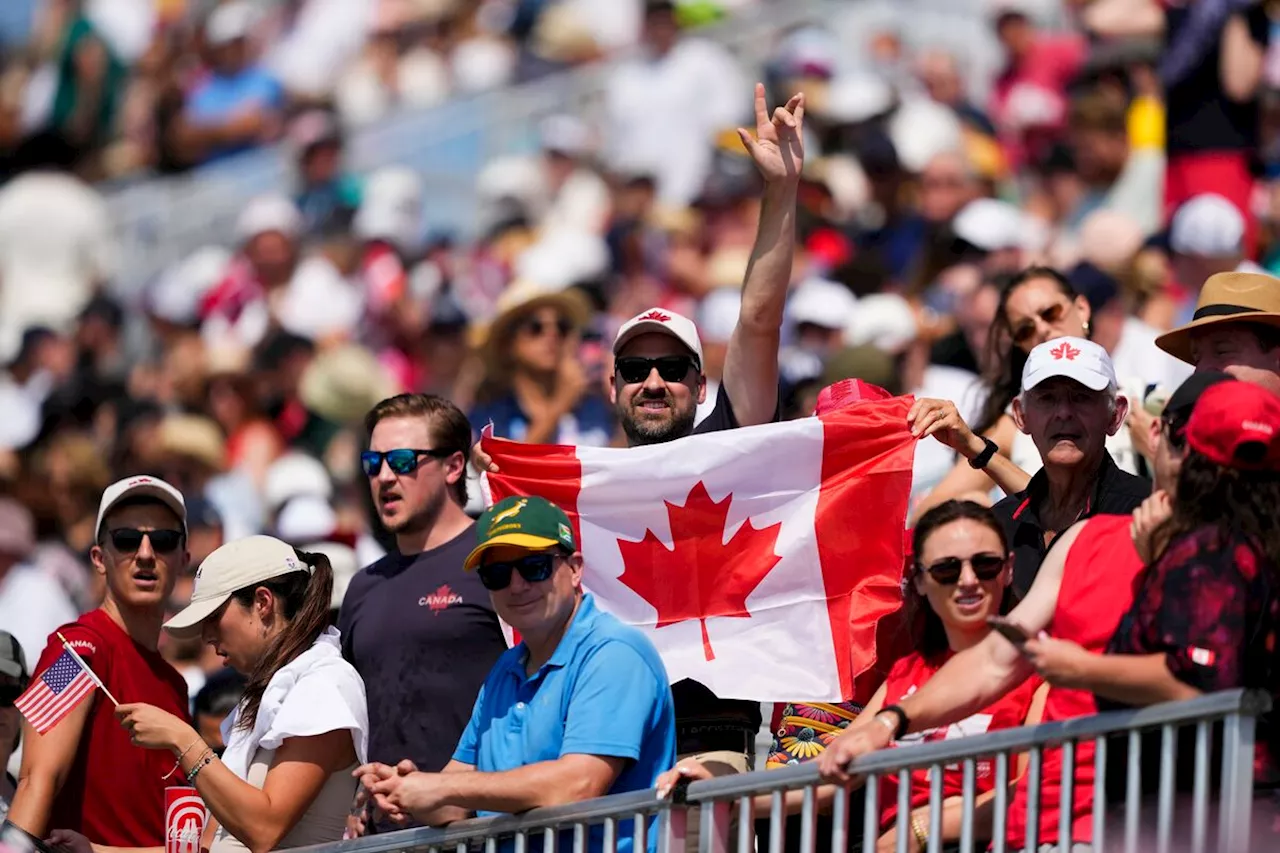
point(751, 363)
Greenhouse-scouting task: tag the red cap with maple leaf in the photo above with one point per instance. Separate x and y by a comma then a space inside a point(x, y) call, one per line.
point(1075, 358)
point(664, 322)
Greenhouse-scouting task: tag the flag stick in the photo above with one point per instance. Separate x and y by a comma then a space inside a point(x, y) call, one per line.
point(93, 675)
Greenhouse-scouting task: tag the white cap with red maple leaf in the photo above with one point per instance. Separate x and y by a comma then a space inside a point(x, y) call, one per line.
point(1075, 358)
point(664, 322)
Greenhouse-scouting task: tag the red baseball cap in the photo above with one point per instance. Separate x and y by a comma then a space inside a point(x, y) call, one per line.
point(1237, 425)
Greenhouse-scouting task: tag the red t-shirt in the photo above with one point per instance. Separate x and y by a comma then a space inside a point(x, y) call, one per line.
point(1098, 579)
point(1009, 711)
point(114, 793)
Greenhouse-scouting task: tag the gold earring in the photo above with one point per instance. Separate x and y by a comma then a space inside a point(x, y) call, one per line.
point(1086, 328)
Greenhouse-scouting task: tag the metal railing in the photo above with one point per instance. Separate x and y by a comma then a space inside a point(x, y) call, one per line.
point(723, 798)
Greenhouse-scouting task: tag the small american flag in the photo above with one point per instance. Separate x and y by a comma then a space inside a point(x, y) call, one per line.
point(55, 693)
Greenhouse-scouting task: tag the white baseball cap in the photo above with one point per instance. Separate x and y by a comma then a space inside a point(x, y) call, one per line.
point(823, 303)
point(664, 322)
point(234, 566)
point(882, 320)
point(295, 474)
point(990, 225)
point(1207, 226)
point(1075, 358)
point(267, 213)
point(229, 22)
point(718, 314)
point(141, 487)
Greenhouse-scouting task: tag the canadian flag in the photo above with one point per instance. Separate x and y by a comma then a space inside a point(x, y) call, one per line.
point(758, 560)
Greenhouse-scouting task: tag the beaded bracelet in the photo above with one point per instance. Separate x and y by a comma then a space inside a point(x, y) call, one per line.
point(206, 758)
point(177, 765)
point(921, 834)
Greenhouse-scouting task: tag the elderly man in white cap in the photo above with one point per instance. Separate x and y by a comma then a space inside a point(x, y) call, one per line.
point(658, 381)
point(1068, 406)
point(83, 774)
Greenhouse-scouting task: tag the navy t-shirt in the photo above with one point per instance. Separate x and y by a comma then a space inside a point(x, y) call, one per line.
point(423, 635)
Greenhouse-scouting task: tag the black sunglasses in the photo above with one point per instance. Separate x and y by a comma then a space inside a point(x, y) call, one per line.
point(402, 460)
point(534, 568)
point(9, 693)
point(128, 539)
point(672, 368)
point(986, 566)
point(537, 328)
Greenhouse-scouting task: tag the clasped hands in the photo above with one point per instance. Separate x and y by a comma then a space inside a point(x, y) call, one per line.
point(397, 793)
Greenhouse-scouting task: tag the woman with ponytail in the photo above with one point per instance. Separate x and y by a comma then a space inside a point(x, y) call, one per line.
point(300, 730)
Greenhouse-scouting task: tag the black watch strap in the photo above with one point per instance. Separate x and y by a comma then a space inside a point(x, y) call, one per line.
point(903, 721)
point(989, 449)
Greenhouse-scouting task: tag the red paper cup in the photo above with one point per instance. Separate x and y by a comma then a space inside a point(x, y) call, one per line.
point(184, 820)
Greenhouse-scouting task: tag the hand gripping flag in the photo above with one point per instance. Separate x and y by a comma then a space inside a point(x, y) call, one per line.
point(758, 560)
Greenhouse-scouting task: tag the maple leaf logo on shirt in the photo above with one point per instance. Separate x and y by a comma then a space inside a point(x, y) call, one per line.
point(701, 576)
point(657, 315)
point(1064, 350)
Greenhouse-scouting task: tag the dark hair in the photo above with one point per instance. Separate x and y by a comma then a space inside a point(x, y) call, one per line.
point(928, 625)
point(304, 600)
point(220, 694)
point(449, 428)
point(1004, 376)
point(1232, 500)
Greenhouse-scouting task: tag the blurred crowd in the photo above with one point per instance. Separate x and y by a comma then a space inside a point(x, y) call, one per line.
point(1131, 153)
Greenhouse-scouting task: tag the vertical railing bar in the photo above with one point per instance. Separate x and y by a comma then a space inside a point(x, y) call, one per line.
point(491, 845)
point(871, 813)
point(462, 847)
point(1200, 789)
point(1133, 792)
point(639, 833)
point(935, 809)
point(579, 837)
point(1164, 805)
point(966, 814)
point(809, 820)
point(1241, 804)
point(1100, 793)
point(746, 830)
point(706, 827)
point(1033, 797)
point(666, 830)
point(999, 818)
point(1227, 793)
point(1066, 796)
point(839, 819)
point(777, 820)
point(902, 821)
point(521, 842)
point(610, 835)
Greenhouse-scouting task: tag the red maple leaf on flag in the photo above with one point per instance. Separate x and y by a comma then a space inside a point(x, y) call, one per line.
point(1065, 350)
point(657, 315)
point(700, 576)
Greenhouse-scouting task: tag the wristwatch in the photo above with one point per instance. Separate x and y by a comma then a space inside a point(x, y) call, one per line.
point(989, 449)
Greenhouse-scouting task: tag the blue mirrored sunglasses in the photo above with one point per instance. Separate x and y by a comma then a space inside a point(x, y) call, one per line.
point(402, 460)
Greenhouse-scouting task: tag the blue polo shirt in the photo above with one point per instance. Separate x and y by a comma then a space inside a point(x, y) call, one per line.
point(603, 692)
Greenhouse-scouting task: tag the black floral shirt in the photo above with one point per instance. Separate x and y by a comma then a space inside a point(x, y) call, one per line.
point(1210, 605)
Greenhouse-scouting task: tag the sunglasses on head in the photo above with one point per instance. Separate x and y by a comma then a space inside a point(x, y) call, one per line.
point(128, 539)
point(402, 460)
point(536, 327)
point(1024, 333)
point(535, 568)
point(672, 368)
point(947, 571)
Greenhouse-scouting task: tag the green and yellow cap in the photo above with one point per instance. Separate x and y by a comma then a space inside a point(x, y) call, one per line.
point(526, 522)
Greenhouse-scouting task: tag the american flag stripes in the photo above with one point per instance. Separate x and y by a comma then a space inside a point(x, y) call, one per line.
point(55, 693)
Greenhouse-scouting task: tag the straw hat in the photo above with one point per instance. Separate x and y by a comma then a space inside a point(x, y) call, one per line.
point(344, 383)
point(517, 302)
point(193, 437)
point(1228, 297)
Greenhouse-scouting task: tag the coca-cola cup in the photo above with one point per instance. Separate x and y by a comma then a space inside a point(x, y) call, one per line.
point(184, 819)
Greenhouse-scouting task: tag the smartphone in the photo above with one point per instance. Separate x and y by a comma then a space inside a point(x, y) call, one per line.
point(1011, 631)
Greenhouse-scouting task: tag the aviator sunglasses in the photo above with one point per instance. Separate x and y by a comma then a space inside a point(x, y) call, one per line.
point(534, 568)
point(947, 571)
point(402, 460)
point(1050, 315)
point(672, 368)
point(128, 539)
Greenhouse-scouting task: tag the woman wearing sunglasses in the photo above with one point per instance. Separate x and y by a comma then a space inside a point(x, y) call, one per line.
point(960, 578)
point(284, 779)
point(1036, 305)
point(536, 389)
